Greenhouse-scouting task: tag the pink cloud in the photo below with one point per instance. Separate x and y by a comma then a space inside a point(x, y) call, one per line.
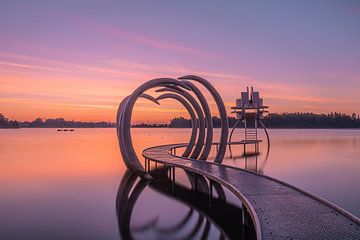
point(12, 64)
point(140, 38)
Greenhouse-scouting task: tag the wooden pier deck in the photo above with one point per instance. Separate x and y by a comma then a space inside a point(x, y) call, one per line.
point(278, 210)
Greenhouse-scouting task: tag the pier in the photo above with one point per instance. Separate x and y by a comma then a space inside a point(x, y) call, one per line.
point(278, 210)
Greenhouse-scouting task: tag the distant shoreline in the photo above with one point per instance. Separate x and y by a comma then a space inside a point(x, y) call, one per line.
point(272, 121)
point(289, 128)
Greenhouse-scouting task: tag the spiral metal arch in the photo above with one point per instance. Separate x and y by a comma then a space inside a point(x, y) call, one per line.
point(179, 89)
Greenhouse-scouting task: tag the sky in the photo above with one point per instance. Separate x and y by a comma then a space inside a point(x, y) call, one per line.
point(78, 59)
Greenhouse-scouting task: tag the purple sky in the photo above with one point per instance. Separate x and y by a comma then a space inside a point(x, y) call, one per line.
point(78, 59)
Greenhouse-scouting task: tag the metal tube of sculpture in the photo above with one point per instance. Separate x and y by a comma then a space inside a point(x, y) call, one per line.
point(222, 111)
point(209, 125)
point(200, 142)
point(194, 123)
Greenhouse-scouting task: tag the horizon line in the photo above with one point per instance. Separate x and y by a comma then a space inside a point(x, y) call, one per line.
point(357, 115)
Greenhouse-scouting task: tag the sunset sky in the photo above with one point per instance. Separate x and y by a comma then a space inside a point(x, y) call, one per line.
point(78, 59)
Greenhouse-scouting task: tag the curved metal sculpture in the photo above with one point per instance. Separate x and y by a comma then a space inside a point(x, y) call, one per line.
point(179, 89)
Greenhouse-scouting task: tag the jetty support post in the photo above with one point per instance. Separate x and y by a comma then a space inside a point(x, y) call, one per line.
point(172, 178)
point(196, 182)
point(210, 193)
point(245, 216)
point(173, 174)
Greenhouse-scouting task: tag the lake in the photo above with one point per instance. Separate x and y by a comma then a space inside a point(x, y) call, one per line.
point(66, 185)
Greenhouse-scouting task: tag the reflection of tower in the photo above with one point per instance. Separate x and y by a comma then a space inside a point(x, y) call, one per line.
point(251, 162)
point(250, 111)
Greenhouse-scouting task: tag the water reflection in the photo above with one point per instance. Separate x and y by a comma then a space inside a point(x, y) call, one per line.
point(252, 160)
point(63, 186)
point(205, 216)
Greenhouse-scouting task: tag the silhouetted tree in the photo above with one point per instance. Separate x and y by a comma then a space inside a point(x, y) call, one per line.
point(37, 123)
point(3, 120)
point(6, 123)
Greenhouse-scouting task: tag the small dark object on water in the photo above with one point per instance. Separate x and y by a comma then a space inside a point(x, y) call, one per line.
point(59, 130)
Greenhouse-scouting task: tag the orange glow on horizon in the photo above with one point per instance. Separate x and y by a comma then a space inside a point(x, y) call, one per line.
point(32, 87)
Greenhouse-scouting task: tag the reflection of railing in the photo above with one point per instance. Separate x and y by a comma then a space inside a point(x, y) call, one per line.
point(210, 211)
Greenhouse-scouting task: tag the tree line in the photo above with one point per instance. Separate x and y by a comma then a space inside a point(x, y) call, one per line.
point(52, 123)
point(272, 120)
point(288, 120)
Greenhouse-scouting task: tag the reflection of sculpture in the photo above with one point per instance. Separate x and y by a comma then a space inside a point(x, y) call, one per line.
point(205, 211)
point(125, 201)
point(180, 90)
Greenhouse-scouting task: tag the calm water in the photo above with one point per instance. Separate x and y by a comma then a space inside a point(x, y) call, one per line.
point(66, 185)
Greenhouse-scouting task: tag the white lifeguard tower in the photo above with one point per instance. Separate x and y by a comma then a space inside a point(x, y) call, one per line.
point(250, 111)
